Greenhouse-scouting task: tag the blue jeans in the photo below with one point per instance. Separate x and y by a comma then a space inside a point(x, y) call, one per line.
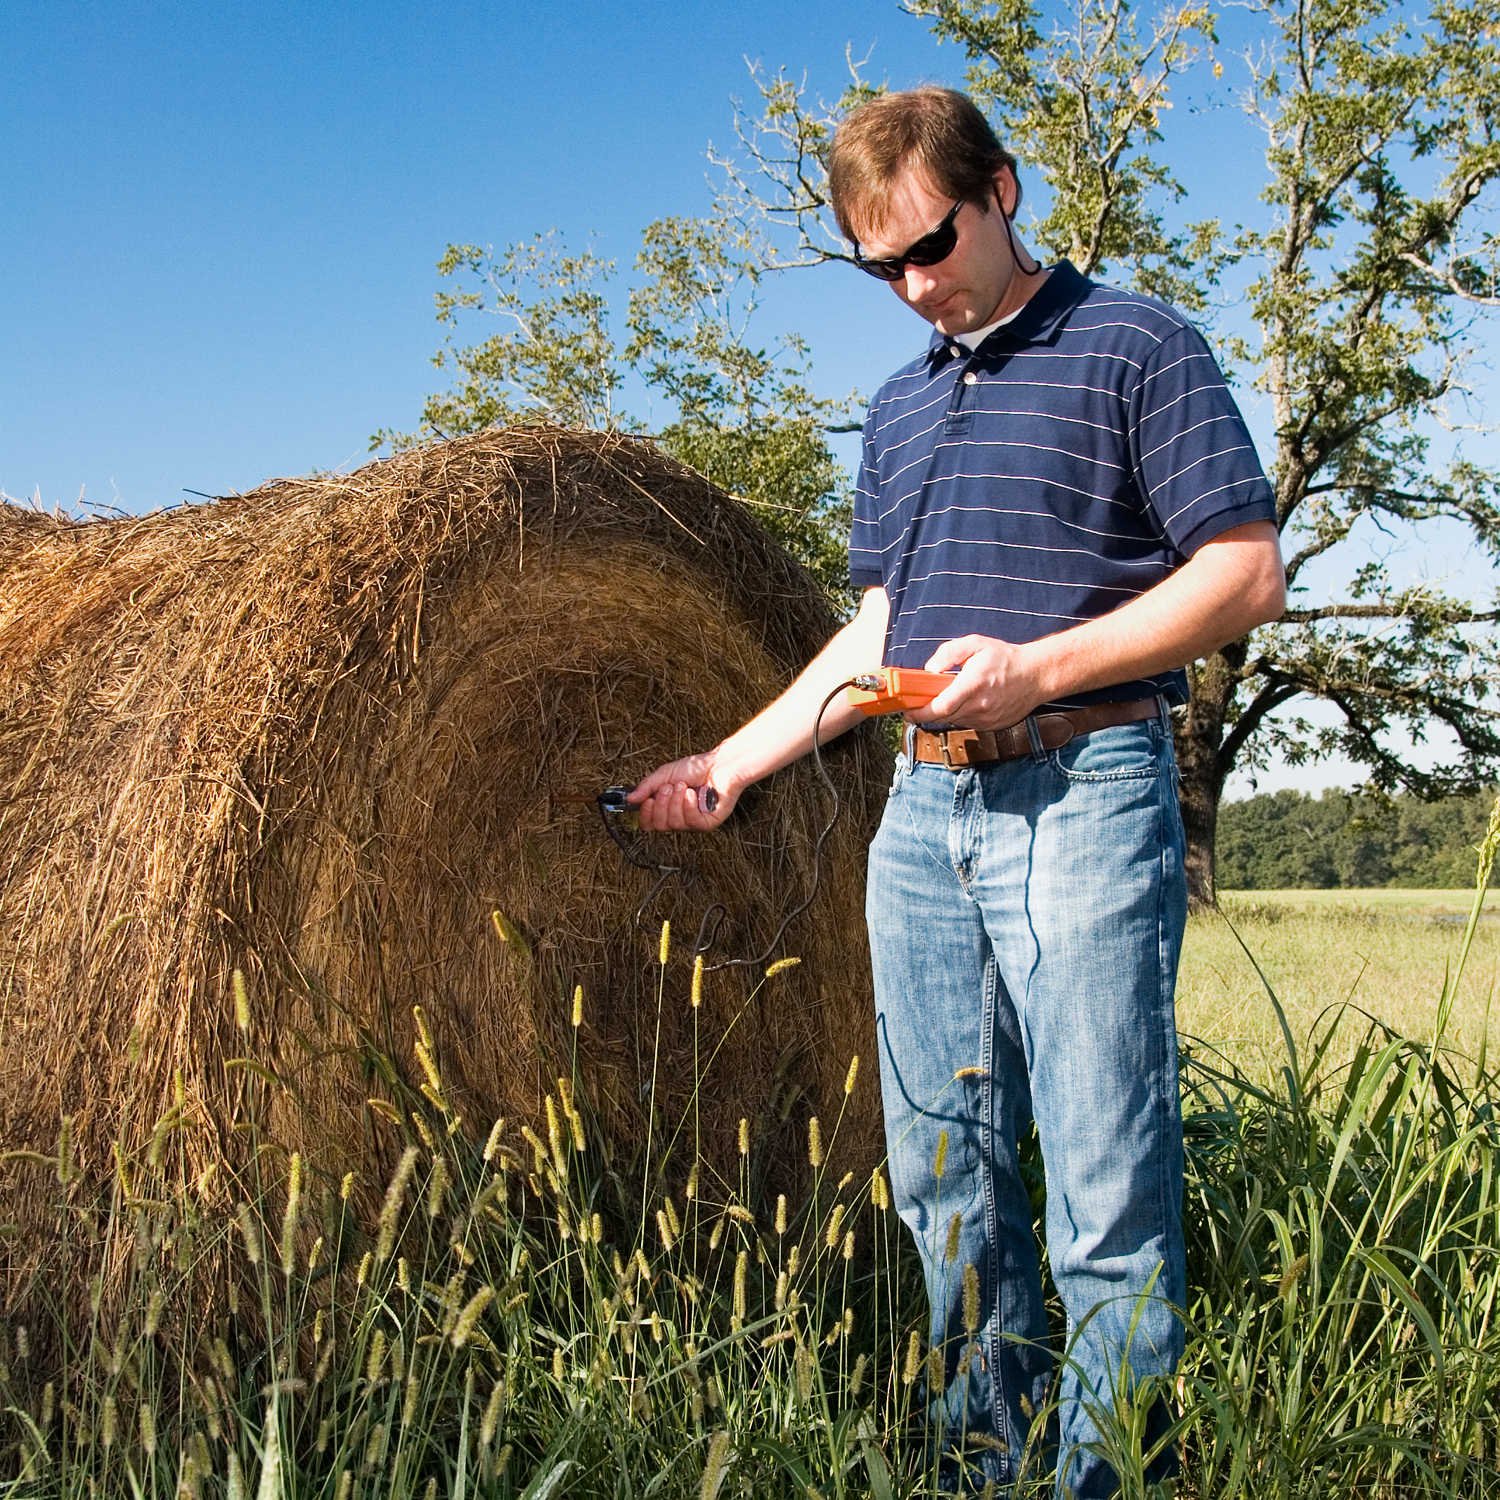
point(1025, 920)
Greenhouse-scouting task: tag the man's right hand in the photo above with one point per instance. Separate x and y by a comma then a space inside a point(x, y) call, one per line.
point(683, 794)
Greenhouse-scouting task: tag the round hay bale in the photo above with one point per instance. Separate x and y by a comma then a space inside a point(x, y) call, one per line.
point(320, 732)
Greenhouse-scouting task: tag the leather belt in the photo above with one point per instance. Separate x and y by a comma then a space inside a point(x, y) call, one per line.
point(957, 748)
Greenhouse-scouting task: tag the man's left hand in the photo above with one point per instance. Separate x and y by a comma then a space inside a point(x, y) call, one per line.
point(996, 684)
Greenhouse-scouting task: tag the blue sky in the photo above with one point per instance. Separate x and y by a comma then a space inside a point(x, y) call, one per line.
point(222, 221)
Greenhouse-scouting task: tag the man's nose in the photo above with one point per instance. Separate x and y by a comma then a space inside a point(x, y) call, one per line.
point(920, 283)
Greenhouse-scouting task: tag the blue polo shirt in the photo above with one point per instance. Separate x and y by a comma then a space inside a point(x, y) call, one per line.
point(1078, 456)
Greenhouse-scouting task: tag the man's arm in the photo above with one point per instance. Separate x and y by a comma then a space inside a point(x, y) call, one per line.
point(1226, 588)
point(672, 795)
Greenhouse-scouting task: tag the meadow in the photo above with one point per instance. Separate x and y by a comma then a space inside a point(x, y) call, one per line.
point(1371, 954)
point(524, 1319)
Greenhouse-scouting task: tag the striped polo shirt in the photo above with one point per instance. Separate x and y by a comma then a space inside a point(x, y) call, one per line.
point(1078, 456)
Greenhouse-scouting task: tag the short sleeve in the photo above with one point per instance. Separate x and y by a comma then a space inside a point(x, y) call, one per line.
point(1194, 459)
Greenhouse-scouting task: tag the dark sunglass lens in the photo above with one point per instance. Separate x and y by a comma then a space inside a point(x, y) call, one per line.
point(882, 270)
point(932, 248)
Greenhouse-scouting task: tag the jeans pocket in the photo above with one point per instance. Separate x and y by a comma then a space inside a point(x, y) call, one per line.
point(1123, 752)
point(899, 775)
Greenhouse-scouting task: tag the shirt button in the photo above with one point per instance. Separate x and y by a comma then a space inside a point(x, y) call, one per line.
point(955, 350)
point(970, 378)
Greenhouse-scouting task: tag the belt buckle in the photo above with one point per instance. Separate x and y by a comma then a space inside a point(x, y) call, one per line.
point(967, 745)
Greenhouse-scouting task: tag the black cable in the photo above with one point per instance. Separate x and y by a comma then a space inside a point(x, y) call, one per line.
point(612, 802)
point(714, 916)
point(1015, 249)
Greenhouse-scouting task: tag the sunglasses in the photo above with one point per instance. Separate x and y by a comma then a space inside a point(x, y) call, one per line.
point(934, 246)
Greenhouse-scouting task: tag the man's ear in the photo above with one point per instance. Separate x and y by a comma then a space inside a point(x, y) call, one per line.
point(1007, 193)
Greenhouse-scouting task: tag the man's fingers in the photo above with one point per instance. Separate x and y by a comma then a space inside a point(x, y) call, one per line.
point(953, 653)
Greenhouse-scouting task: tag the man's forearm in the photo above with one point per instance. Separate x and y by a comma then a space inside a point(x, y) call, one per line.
point(700, 791)
point(783, 731)
point(1229, 586)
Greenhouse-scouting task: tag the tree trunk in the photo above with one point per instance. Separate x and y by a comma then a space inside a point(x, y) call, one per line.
point(1199, 738)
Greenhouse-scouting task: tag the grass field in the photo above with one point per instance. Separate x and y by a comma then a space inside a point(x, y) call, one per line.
point(1382, 953)
point(523, 1323)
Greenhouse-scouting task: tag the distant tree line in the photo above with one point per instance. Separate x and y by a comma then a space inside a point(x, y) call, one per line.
point(1292, 839)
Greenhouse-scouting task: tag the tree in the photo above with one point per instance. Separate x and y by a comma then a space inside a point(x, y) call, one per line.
point(1350, 839)
point(1364, 295)
point(740, 413)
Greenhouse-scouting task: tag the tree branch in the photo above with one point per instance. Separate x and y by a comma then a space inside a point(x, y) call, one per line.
point(1383, 612)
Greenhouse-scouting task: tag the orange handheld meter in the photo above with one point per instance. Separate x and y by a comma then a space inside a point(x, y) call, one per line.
point(893, 690)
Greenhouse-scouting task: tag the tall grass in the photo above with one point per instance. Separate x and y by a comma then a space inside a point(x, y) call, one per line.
point(519, 1319)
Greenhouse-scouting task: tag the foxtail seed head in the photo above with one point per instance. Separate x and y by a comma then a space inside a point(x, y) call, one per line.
point(714, 1465)
point(940, 1161)
point(390, 1209)
point(577, 1006)
point(554, 1135)
point(835, 1223)
point(781, 966)
point(468, 1319)
point(249, 1233)
point(955, 1226)
point(437, 1187)
point(696, 993)
point(741, 1272)
point(913, 1364)
point(489, 1424)
point(852, 1076)
point(664, 948)
point(814, 1141)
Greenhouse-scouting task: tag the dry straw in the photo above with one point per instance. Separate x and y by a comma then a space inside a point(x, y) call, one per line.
point(320, 732)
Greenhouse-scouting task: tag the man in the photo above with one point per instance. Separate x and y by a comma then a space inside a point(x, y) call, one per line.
point(1059, 503)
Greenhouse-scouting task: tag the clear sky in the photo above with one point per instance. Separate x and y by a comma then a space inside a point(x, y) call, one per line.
point(221, 221)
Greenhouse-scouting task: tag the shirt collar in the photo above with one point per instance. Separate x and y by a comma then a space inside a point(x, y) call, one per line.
point(1036, 322)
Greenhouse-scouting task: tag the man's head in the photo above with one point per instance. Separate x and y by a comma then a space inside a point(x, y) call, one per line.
point(938, 133)
point(922, 186)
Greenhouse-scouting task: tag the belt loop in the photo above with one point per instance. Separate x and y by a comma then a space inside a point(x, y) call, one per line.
point(1034, 734)
point(1165, 710)
point(909, 743)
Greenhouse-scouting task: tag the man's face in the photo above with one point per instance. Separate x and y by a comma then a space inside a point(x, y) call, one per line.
point(976, 283)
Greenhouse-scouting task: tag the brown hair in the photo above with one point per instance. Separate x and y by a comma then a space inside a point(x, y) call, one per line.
point(939, 131)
